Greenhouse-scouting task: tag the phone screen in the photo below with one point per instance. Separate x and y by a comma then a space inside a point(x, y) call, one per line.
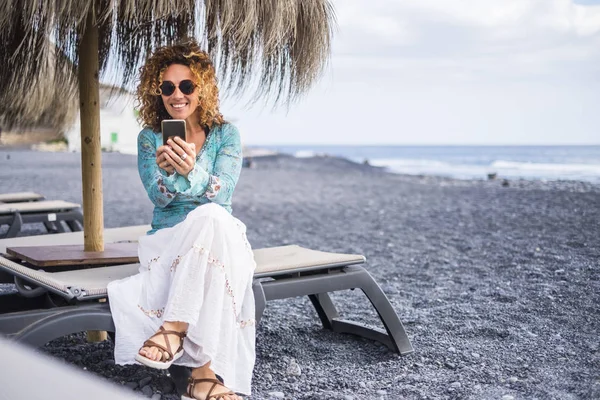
point(171, 128)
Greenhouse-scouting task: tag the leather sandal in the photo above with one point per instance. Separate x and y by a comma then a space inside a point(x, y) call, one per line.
point(163, 363)
point(192, 383)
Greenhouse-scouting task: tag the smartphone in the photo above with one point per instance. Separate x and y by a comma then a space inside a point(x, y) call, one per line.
point(171, 128)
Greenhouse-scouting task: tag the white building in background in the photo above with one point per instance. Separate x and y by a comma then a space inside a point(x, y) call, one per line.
point(118, 123)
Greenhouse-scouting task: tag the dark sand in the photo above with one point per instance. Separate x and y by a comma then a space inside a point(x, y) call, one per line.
point(498, 287)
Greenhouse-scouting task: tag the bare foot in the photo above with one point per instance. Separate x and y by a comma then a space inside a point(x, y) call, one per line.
point(205, 386)
point(174, 341)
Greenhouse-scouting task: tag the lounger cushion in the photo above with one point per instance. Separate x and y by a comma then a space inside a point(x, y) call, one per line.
point(20, 196)
point(270, 262)
point(37, 206)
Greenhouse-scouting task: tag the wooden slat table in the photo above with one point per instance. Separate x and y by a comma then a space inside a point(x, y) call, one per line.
point(72, 255)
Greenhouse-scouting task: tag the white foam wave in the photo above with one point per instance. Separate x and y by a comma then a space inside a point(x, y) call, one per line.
point(305, 154)
point(593, 169)
point(504, 169)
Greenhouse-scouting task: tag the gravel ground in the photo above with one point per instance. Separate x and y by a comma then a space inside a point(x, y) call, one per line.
point(498, 286)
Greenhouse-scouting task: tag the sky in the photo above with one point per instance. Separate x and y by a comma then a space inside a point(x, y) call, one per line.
point(447, 72)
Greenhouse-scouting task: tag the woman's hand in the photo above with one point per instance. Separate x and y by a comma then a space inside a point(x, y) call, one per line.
point(162, 162)
point(180, 155)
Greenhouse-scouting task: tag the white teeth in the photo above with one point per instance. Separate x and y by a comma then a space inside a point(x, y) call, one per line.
point(178, 105)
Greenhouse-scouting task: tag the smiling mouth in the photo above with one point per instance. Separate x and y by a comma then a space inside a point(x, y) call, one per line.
point(179, 106)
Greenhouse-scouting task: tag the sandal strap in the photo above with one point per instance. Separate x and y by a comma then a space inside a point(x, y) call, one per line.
point(215, 382)
point(162, 331)
point(151, 343)
point(166, 333)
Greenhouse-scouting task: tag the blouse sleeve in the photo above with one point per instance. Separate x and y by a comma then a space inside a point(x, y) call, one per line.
point(219, 186)
point(158, 184)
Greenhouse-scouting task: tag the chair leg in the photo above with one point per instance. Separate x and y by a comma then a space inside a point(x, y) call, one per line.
point(76, 224)
point(14, 227)
point(59, 227)
point(50, 227)
point(260, 302)
point(73, 226)
point(325, 309)
point(386, 313)
point(317, 288)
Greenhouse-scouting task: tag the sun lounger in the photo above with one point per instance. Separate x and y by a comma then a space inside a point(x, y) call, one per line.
point(282, 272)
point(49, 212)
point(20, 197)
point(27, 374)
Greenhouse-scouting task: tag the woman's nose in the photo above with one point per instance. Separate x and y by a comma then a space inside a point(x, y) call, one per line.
point(177, 93)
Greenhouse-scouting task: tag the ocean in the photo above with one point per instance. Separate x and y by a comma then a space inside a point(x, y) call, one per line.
point(581, 163)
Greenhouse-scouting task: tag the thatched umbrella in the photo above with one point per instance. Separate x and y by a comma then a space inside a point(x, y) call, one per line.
point(274, 47)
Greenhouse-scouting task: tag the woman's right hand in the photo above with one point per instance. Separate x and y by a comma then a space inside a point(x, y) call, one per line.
point(162, 162)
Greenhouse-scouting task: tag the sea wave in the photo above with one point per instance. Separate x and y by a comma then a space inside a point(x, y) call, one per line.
point(305, 154)
point(593, 169)
point(502, 168)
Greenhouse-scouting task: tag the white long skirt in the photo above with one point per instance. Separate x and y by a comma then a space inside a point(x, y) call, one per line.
point(200, 272)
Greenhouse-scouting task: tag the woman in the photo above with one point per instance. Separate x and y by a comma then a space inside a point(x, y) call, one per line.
point(192, 302)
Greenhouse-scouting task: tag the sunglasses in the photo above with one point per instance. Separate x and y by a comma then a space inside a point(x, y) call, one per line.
point(187, 87)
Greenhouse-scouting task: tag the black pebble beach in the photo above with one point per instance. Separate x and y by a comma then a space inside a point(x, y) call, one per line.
point(497, 283)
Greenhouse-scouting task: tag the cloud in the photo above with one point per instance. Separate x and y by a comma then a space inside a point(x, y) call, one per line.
point(449, 72)
point(587, 2)
point(507, 39)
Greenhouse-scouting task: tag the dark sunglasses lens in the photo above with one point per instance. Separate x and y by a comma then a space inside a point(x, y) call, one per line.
point(167, 88)
point(187, 87)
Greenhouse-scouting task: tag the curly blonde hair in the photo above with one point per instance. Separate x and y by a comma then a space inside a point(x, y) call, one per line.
point(150, 105)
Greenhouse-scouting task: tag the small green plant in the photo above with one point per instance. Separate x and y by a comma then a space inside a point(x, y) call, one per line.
point(58, 141)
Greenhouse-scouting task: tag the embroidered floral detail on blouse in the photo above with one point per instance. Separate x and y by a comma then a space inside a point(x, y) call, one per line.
point(152, 313)
point(175, 263)
point(153, 260)
point(213, 187)
point(163, 188)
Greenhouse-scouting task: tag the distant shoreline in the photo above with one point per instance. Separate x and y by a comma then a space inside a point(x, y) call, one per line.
point(263, 157)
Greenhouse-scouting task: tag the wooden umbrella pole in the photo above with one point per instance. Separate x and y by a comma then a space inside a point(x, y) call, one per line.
point(91, 151)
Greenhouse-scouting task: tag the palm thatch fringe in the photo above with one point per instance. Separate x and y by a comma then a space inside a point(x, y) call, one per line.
point(272, 48)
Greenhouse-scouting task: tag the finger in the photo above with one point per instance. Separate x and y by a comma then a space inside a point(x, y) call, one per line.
point(181, 166)
point(180, 142)
point(161, 149)
point(174, 164)
point(176, 147)
point(180, 160)
point(191, 150)
point(188, 148)
point(174, 156)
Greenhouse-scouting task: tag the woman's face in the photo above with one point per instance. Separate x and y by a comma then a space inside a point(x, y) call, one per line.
point(178, 104)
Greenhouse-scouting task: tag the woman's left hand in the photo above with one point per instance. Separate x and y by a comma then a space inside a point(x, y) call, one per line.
point(181, 155)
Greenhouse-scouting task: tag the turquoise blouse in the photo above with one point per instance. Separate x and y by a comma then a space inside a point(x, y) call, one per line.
point(217, 169)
